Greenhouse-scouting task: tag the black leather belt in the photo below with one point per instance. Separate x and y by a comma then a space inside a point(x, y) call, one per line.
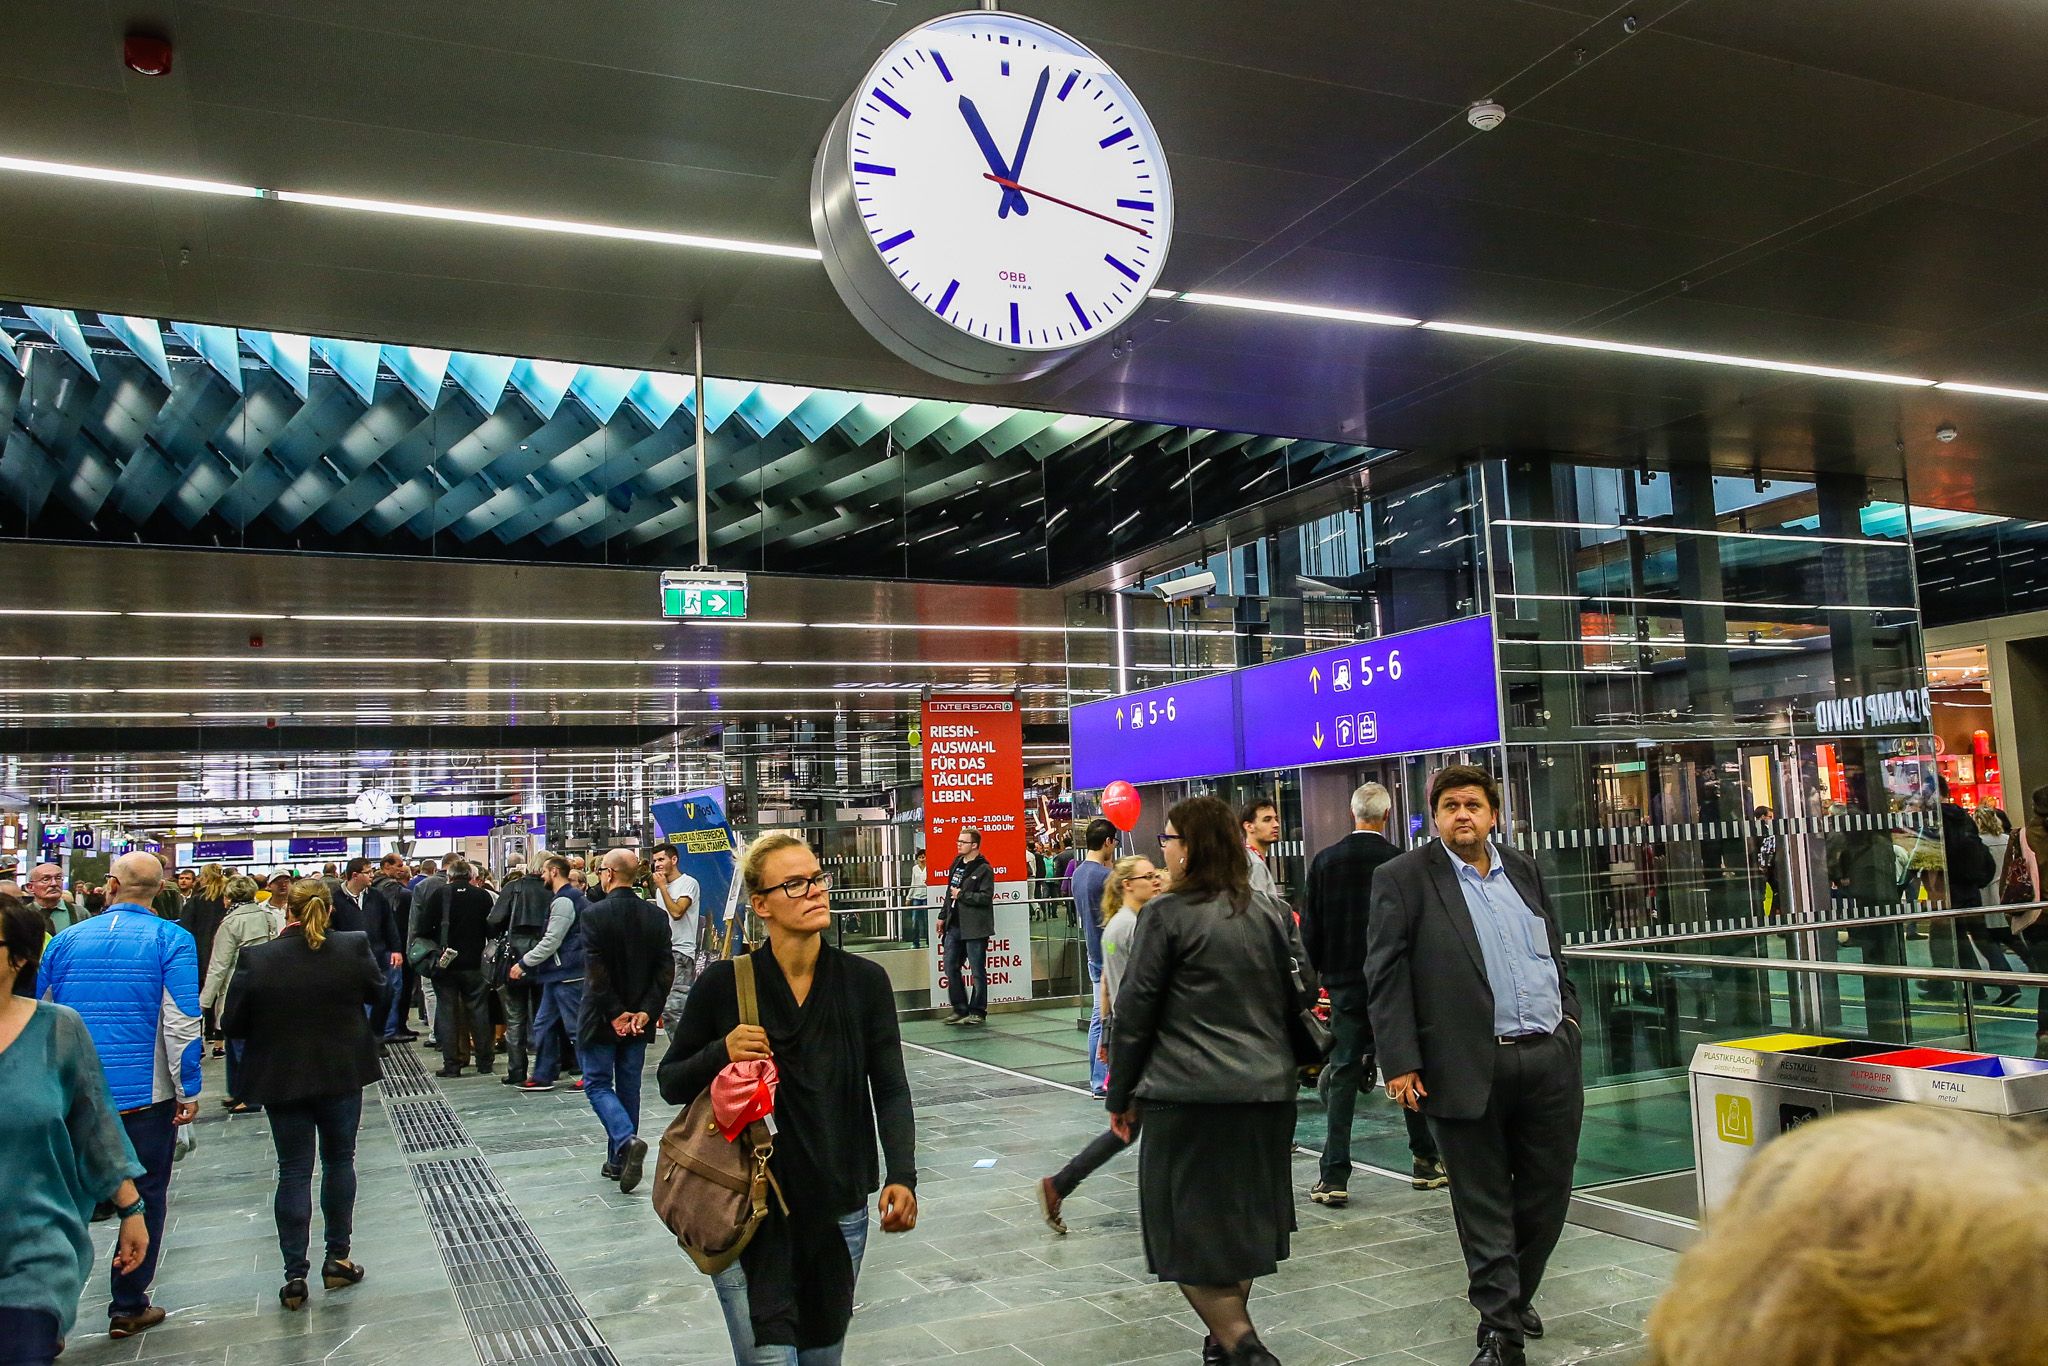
point(1518, 1038)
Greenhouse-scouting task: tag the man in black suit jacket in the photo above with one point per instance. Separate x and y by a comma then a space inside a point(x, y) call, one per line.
point(1336, 902)
point(1477, 1026)
point(627, 970)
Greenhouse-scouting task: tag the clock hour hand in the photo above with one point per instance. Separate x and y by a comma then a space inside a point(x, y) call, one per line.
point(994, 157)
point(1024, 145)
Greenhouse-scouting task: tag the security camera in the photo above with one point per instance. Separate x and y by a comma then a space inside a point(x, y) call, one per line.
point(1486, 115)
point(1945, 433)
point(1193, 586)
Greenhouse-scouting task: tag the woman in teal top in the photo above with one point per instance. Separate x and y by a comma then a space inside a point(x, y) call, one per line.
point(63, 1149)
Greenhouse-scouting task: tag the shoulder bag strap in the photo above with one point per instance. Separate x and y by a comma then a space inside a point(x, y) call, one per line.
point(743, 978)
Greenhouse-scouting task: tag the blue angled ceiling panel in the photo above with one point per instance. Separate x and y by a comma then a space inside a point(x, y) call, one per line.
point(542, 383)
point(143, 336)
point(355, 361)
point(601, 389)
point(420, 369)
point(62, 327)
point(657, 394)
point(218, 347)
point(289, 355)
point(482, 377)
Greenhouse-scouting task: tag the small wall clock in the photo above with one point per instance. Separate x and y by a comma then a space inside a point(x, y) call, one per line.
point(991, 198)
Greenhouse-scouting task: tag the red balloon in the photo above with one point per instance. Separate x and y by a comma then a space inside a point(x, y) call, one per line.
point(1120, 804)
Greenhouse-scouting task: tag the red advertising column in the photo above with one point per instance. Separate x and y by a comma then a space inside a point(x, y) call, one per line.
point(974, 778)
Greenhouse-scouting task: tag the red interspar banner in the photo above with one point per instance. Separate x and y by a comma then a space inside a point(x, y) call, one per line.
point(974, 777)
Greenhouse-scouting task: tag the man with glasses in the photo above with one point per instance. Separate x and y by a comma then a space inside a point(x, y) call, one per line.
point(967, 919)
point(626, 975)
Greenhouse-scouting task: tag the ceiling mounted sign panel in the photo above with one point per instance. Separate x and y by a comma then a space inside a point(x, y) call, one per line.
point(991, 198)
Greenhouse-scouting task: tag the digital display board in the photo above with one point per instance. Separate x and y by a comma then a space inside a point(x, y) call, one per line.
point(1183, 730)
point(1429, 689)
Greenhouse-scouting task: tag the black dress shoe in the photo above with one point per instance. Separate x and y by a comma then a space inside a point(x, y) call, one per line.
point(1532, 1322)
point(1495, 1350)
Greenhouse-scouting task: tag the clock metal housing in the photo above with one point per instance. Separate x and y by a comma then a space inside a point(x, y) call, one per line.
point(909, 315)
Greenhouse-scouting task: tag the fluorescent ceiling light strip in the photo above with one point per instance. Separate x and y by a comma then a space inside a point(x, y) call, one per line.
point(555, 225)
point(1702, 602)
point(1793, 539)
point(1668, 643)
point(1340, 315)
point(141, 178)
point(215, 616)
point(1673, 353)
point(1995, 391)
point(267, 692)
point(483, 621)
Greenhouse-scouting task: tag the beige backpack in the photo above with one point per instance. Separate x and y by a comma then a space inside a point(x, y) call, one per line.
point(713, 1194)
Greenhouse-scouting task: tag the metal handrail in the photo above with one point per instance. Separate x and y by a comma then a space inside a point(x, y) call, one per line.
point(1973, 976)
point(1803, 924)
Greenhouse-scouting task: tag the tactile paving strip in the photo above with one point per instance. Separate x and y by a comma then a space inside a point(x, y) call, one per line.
point(519, 1310)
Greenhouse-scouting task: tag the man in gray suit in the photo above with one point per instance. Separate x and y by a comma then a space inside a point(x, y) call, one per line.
point(1478, 1028)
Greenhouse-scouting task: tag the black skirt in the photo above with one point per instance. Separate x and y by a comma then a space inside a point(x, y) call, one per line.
point(1216, 1190)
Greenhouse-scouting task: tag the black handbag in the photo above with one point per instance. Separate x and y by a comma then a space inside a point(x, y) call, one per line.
point(1306, 1033)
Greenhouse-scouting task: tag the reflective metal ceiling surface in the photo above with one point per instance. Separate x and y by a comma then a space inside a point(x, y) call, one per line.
point(1742, 176)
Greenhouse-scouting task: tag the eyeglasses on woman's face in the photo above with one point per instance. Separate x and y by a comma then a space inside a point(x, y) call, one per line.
point(1152, 876)
point(1165, 840)
point(799, 887)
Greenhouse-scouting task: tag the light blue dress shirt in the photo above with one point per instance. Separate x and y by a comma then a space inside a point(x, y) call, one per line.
point(1515, 947)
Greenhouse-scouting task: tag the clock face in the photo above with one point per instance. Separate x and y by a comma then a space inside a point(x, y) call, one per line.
point(373, 806)
point(995, 194)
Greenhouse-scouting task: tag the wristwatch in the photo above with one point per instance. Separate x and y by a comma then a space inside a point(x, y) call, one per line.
point(130, 1211)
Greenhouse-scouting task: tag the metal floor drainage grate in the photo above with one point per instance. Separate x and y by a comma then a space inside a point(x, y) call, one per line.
point(404, 1077)
point(519, 1310)
point(427, 1126)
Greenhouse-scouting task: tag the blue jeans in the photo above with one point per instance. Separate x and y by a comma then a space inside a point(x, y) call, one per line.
point(560, 1004)
point(393, 1002)
point(731, 1285)
point(155, 1139)
point(295, 1128)
point(611, 1082)
point(1098, 1070)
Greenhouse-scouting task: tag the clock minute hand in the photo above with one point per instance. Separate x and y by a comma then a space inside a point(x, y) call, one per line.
point(994, 157)
point(1024, 145)
point(1009, 184)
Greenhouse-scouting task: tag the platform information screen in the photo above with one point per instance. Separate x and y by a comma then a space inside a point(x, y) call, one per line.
point(1430, 689)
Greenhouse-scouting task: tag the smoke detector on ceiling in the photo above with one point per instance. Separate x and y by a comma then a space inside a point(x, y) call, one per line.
point(1486, 115)
point(1945, 433)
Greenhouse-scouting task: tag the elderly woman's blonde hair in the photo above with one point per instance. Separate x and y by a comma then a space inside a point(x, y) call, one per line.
point(1903, 1236)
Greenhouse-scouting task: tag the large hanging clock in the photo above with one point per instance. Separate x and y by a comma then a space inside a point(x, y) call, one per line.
point(991, 198)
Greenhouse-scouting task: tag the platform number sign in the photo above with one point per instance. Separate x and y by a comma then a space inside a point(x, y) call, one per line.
point(696, 596)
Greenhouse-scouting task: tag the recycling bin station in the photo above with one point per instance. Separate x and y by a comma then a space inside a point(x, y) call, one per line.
point(1747, 1092)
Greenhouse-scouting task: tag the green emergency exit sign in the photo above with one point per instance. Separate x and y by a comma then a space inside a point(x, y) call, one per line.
point(694, 595)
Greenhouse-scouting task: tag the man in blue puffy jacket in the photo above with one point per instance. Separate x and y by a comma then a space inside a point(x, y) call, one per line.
point(134, 979)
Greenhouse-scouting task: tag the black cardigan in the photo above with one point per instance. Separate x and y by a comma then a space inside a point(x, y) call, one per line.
point(300, 1010)
point(840, 1060)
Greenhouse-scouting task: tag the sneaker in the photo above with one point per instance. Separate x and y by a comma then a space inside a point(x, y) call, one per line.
point(1323, 1193)
point(1430, 1174)
point(631, 1159)
point(576, 1085)
point(535, 1088)
point(954, 1020)
point(1049, 1201)
point(128, 1325)
point(975, 1020)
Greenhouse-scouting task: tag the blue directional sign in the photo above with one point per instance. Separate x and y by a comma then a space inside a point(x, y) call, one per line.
point(1430, 689)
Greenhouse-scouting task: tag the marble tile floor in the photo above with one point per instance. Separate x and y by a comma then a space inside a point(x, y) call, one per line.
point(981, 1281)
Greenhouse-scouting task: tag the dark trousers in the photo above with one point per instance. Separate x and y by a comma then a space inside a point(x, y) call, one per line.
point(296, 1128)
point(554, 1025)
point(973, 955)
point(155, 1139)
point(463, 996)
point(390, 1009)
point(1100, 1149)
point(234, 1081)
point(1511, 1173)
point(408, 992)
point(28, 1337)
point(1351, 1063)
point(521, 999)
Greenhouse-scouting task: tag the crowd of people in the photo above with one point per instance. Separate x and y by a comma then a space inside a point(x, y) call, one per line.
point(1441, 965)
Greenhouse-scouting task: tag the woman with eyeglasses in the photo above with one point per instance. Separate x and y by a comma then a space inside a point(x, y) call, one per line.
point(828, 1019)
point(1202, 1047)
point(1131, 883)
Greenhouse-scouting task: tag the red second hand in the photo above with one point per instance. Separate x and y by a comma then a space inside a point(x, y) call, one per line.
point(1026, 189)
